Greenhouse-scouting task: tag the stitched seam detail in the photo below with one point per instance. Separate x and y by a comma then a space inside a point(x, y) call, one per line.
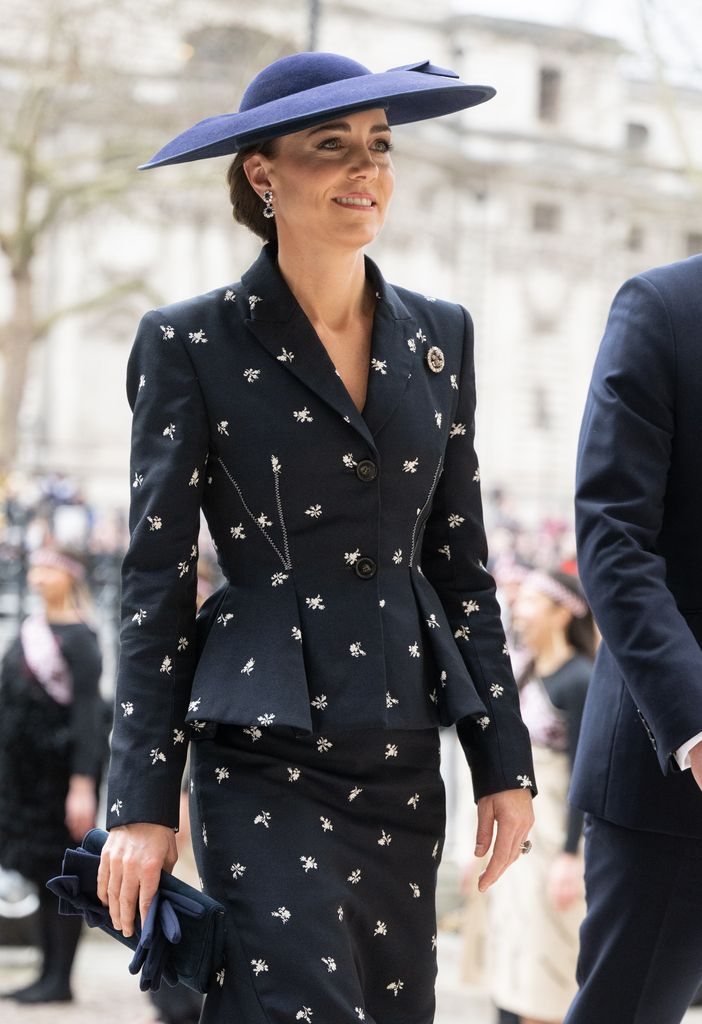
point(286, 563)
point(413, 543)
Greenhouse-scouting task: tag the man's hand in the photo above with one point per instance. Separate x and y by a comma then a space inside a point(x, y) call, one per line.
point(130, 869)
point(512, 811)
point(696, 763)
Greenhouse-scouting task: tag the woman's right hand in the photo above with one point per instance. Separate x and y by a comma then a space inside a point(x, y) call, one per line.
point(130, 869)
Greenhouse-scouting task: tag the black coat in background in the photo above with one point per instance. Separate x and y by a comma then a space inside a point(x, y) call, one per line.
point(353, 544)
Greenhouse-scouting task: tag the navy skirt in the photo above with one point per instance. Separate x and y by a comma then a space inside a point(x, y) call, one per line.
point(324, 850)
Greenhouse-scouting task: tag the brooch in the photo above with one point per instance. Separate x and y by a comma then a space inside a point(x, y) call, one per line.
point(435, 359)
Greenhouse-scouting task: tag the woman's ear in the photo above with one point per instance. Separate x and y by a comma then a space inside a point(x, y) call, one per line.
point(256, 173)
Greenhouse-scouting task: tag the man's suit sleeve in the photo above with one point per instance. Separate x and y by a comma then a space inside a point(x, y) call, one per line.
point(624, 456)
point(169, 445)
point(454, 555)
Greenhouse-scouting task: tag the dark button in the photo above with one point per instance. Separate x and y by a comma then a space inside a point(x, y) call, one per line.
point(366, 469)
point(365, 567)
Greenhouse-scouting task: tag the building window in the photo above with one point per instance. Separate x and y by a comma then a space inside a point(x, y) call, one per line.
point(545, 217)
point(636, 137)
point(549, 94)
point(694, 243)
point(635, 238)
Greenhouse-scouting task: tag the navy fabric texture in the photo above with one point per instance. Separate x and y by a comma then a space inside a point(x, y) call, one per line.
point(303, 89)
point(640, 944)
point(324, 850)
point(352, 543)
point(639, 491)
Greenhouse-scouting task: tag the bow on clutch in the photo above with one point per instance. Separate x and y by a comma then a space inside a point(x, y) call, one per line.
point(182, 937)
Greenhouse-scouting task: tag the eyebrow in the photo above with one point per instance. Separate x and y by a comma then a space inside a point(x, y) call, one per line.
point(344, 126)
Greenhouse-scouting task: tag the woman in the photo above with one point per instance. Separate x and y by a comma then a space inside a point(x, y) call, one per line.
point(310, 410)
point(53, 740)
point(536, 911)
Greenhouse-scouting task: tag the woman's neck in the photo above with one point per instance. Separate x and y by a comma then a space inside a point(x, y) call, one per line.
point(553, 655)
point(61, 611)
point(330, 285)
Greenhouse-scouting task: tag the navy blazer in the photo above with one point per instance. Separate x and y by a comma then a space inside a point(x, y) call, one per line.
point(639, 532)
point(352, 543)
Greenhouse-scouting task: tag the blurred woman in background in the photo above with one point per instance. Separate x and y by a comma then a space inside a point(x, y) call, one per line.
point(536, 909)
point(53, 746)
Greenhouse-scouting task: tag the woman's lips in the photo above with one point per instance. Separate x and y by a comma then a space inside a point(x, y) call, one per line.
point(355, 202)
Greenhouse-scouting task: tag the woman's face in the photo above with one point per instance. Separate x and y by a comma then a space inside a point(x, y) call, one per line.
point(52, 583)
point(538, 619)
point(332, 182)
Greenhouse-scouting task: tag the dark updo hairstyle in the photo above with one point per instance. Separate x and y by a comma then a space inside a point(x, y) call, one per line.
point(247, 205)
point(580, 633)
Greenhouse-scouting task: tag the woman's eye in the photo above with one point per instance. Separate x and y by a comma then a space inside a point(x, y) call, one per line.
point(385, 145)
point(330, 143)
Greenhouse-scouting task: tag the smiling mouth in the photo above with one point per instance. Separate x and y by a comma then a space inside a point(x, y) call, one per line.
point(356, 201)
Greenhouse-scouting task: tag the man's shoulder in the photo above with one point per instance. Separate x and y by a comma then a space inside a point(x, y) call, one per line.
point(672, 280)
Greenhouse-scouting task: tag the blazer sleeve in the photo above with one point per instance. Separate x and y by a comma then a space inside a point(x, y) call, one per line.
point(157, 655)
point(624, 455)
point(454, 556)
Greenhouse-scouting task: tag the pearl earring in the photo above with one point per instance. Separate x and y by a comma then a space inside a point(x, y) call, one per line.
point(268, 210)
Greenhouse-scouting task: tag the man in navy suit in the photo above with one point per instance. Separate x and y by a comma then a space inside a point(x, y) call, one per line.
point(638, 771)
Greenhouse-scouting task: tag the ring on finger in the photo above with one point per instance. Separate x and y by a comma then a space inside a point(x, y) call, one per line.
point(525, 846)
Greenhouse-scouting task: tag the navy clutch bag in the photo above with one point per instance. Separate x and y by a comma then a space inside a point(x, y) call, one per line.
point(182, 938)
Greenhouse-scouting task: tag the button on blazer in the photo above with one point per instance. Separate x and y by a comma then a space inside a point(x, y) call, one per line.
point(352, 543)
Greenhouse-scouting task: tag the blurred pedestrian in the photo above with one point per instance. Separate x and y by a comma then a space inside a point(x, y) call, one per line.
point(536, 909)
point(53, 737)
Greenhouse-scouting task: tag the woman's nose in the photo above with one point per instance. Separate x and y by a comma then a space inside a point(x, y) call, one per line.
point(362, 164)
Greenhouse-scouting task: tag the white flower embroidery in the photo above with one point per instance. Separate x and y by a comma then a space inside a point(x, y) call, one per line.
point(390, 701)
point(438, 417)
point(138, 479)
point(484, 722)
point(166, 665)
point(229, 295)
point(266, 719)
point(314, 510)
point(445, 550)
point(433, 622)
point(308, 863)
point(296, 633)
point(194, 705)
point(326, 824)
point(320, 702)
point(390, 750)
point(304, 1014)
point(224, 617)
point(340, 913)
point(323, 745)
point(435, 850)
point(385, 838)
point(263, 818)
point(182, 643)
point(293, 774)
point(443, 677)
point(197, 336)
point(127, 708)
point(285, 356)
point(455, 520)
point(412, 344)
point(254, 732)
point(139, 616)
point(195, 478)
point(470, 606)
point(278, 578)
point(222, 774)
point(462, 633)
point(355, 792)
point(433, 697)
point(414, 649)
point(410, 465)
point(253, 301)
point(413, 801)
point(397, 556)
point(380, 928)
point(193, 551)
point(496, 690)
point(156, 522)
point(252, 375)
point(220, 977)
point(168, 332)
point(183, 568)
point(379, 365)
point(416, 892)
point(222, 427)
point(351, 557)
point(303, 415)
point(315, 603)
point(476, 476)
point(263, 520)
point(457, 429)
point(505, 648)
point(259, 965)
point(454, 381)
point(142, 381)
point(421, 335)
point(524, 781)
point(157, 755)
point(395, 986)
point(178, 736)
point(433, 942)
point(237, 532)
point(330, 962)
point(283, 913)
point(356, 649)
point(170, 431)
point(355, 877)
point(116, 807)
point(349, 460)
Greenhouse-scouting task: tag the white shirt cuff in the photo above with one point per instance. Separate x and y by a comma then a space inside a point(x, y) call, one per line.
point(682, 754)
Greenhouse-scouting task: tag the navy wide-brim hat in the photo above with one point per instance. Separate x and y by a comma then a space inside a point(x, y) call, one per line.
point(304, 89)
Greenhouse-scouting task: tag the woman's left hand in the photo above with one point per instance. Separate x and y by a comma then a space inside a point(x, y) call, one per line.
point(81, 806)
point(565, 881)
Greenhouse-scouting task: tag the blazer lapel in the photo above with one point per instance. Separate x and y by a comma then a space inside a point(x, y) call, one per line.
point(277, 320)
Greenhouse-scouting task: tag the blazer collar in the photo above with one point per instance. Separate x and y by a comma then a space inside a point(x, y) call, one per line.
point(277, 320)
